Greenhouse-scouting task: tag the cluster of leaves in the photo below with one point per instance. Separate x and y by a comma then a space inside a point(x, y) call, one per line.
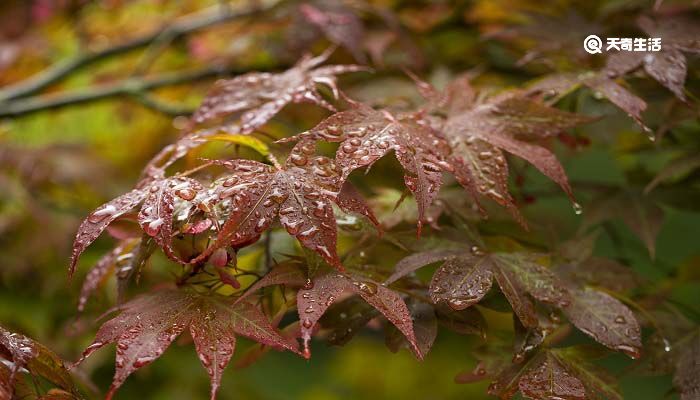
point(26, 355)
point(460, 135)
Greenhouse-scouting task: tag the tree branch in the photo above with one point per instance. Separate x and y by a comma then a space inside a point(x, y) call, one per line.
point(135, 87)
point(182, 26)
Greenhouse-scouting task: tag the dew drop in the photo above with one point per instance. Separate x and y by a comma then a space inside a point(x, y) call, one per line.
point(153, 227)
point(578, 209)
point(299, 160)
point(366, 287)
point(186, 194)
point(457, 304)
point(103, 213)
point(632, 352)
point(667, 344)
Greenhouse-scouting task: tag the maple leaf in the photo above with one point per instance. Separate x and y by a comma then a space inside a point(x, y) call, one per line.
point(425, 326)
point(157, 197)
point(300, 194)
point(507, 122)
point(156, 214)
point(312, 302)
point(468, 321)
point(258, 96)
point(547, 378)
point(601, 272)
point(667, 66)
point(602, 86)
point(465, 277)
point(597, 382)
point(687, 371)
point(554, 373)
point(100, 270)
point(638, 212)
point(99, 219)
point(551, 34)
point(368, 135)
point(147, 325)
point(467, 143)
point(320, 292)
point(23, 353)
point(606, 320)
point(681, 166)
point(338, 23)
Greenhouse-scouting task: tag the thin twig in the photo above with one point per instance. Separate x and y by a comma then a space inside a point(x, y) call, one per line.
point(180, 27)
point(134, 87)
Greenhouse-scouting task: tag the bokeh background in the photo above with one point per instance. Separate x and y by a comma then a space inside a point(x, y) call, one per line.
point(57, 164)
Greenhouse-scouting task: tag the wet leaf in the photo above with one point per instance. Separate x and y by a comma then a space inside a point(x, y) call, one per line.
point(667, 66)
point(258, 96)
point(147, 325)
point(156, 214)
point(461, 281)
point(606, 320)
point(425, 325)
point(338, 23)
point(469, 321)
point(597, 382)
point(687, 376)
point(639, 212)
point(25, 353)
point(466, 277)
point(300, 194)
point(547, 378)
point(366, 135)
point(96, 276)
point(288, 274)
point(312, 303)
point(98, 220)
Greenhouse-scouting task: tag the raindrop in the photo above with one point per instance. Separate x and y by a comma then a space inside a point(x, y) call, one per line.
point(230, 182)
point(366, 287)
point(103, 213)
point(578, 209)
point(457, 304)
point(299, 160)
point(650, 133)
point(153, 227)
point(186, 194)
point(632, 352)
point(667, 344)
